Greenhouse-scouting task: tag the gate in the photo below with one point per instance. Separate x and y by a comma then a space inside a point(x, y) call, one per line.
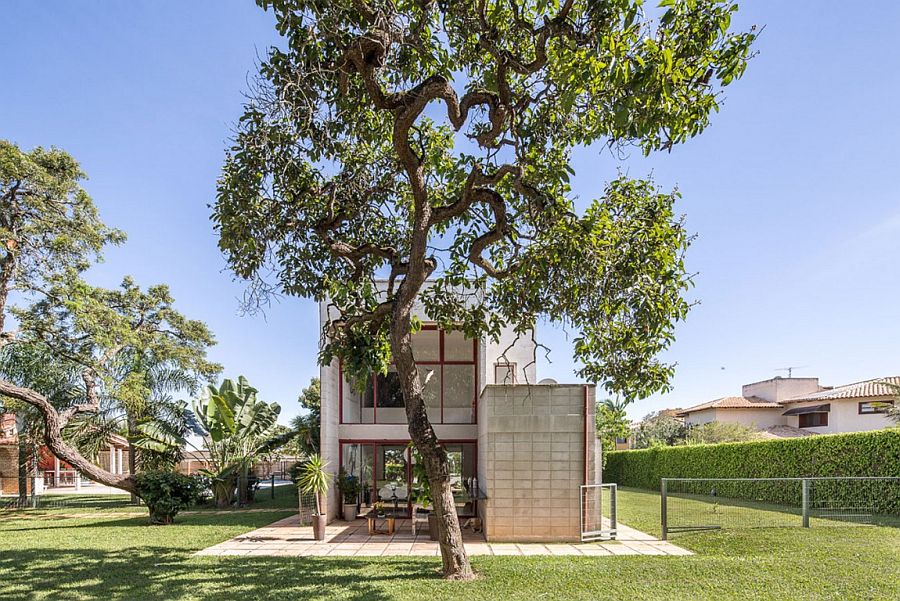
point(598, 512)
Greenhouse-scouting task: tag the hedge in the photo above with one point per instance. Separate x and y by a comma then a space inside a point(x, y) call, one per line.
point(875, 453)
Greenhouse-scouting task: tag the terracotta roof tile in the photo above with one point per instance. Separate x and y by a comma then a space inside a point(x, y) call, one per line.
point(732, 402)
point(878, 387)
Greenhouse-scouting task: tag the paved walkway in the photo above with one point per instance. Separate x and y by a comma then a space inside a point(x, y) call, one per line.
point(288, 538)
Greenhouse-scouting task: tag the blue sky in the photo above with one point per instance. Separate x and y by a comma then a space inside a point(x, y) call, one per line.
point(792, 191)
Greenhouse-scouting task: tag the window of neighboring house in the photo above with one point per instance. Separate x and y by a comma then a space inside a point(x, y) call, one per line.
point(813, 420)
point(868, 407)
point(447, 366)
point(505, 373)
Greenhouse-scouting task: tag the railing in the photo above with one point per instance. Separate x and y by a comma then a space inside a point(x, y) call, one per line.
point(598, 512)
point(688, 504)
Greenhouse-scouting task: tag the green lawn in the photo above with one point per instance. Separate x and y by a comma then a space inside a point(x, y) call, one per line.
point(122, 558)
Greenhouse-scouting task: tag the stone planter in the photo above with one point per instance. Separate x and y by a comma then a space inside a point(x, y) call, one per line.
point(349, 511)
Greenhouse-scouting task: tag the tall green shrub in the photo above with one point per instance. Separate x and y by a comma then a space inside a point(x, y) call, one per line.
point(874, 453)
point(857, 454)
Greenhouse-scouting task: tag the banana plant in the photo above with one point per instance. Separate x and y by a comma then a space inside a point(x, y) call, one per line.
point(235, 427)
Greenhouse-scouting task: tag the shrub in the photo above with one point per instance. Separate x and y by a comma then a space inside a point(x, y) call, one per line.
point(167, 493)
point(858, 454)
point(874, 453)
point(718, 432)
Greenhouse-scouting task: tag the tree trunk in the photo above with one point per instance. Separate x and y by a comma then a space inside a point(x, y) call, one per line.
point(455, 561)
point(132, 456)
point(54, 440)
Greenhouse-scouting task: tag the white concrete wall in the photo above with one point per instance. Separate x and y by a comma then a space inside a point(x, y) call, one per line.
point(758, 418)
point(698, 418)
point(844, 416)
point(778, 389)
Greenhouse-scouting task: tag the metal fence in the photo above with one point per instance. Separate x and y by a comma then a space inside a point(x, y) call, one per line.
point(598, 512)
point(688, 504)
point(307, 508)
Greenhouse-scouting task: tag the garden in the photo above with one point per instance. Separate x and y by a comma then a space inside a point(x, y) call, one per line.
point(109, 552)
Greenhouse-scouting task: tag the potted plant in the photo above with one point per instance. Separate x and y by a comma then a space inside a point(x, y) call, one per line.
point(315, 480)
point(348, 486)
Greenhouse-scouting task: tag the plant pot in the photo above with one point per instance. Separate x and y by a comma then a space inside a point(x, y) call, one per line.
point(433, 526)
point(349, 511)
point(319, 526)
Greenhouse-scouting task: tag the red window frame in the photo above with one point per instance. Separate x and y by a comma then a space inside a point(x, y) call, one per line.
point(397, 442)
point(441, 362)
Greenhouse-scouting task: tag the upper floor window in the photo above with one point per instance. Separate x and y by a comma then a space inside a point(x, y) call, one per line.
point(447, 365)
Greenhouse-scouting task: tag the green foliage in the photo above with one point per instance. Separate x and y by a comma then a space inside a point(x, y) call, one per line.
point(337, 177)
point(167, 493)
point(308, 425)
point(315, 479)
point(348, 486)
point(857, 454)
point(717, 432)
point(48, 223)
point(659, 430)
point(612, 423)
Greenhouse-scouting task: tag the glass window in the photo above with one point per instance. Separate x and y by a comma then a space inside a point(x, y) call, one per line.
point(426, 345)
point(449, 388)
point(357, 407)
point(431, 382)
point(388, 390)
point(867, 407)
point(459, 393)
point(457, 347)
point(505, 373)
point(813, 420)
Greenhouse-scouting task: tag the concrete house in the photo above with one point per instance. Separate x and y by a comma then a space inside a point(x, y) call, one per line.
point(786, 407)
point(518, 449)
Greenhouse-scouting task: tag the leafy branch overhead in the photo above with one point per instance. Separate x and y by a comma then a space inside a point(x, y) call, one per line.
point(401, 141)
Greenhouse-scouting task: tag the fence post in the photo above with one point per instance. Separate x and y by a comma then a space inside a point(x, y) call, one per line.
point(273, 485)
point(612, 511)
point(663, 509)
point(805, 489)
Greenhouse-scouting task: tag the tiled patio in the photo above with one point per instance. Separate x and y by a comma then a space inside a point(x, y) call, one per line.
point(287, 538)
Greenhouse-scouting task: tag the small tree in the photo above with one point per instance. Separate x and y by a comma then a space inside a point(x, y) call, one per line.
point(612, 423)
point(308, 425)
point(659, 429)
point(391, 139)
point(717, 432)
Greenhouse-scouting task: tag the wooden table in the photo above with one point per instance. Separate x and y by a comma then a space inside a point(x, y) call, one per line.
point(373, 520)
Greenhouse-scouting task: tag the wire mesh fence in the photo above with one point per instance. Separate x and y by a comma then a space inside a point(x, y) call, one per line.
point(307, 508)
point(598, 512)
point(31, 494)
point(713, 503)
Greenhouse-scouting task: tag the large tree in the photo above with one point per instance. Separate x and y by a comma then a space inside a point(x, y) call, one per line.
point(49, 234)
point(418, 139)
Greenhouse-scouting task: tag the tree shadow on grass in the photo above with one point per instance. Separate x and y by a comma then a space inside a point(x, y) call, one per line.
point(161, 573)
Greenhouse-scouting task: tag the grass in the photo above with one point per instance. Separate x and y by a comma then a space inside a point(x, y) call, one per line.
point(106, 558)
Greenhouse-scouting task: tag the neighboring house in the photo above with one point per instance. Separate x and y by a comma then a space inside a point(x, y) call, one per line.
point(518, 450)
point(50, 472)
point(790, 407)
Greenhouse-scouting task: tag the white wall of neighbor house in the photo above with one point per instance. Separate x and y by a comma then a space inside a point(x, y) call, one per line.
point(698, 418)
point(778, 389)
point(844, 416)
point(758, 418)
